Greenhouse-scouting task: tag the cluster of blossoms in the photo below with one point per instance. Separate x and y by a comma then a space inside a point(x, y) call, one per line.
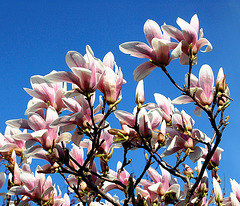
point(66, 129)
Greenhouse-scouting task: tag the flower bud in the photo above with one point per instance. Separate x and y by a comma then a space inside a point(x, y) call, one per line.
point(140, 98)
point(220, 82)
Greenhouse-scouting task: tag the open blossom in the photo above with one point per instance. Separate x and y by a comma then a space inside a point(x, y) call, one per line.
point(8, 144)
point(188, 36)
point(203, 88)
point(39, 122)
point(45, 94)
point(87, 71)
point(158, 52)
point(147, 121)
point(163, 187)
point(36, 187)
point(122, 176)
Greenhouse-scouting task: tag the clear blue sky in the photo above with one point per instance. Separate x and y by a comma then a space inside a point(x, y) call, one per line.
point(36, 35)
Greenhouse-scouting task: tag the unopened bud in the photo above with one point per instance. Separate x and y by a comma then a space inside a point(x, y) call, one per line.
point(139, 97)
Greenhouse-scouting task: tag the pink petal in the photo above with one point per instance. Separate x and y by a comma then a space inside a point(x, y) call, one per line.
point(108, 60)
point(62, 77)
point(125, 117)
point(195, 23)
point(74, 59)
point(143, 70)
point(206, 80)
point(162, 49)
point(189, 32)
point(18, 123)
point(36, 122)
point(152, 30)
point(198, 111)
point(173, 32)
point(154, 175)
point(136, 49)
point(203, 42)
point(28, 179)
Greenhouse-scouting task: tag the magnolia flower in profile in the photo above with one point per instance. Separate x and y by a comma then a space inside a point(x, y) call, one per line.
point(158, 52)
point(202, 88)
point(189, 38)
point(111, 82)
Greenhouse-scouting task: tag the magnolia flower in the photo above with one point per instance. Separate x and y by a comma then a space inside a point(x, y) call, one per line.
point(122, 176)
point(8, 144)
point(87, 71)
point(202, 89)
point(158, 53)
point(36, 187)
point(162, 187)
point(188, 36)
point(45, 94)
point(111, 82)
point(165, 106)
point(146, 121)
point(40, 124)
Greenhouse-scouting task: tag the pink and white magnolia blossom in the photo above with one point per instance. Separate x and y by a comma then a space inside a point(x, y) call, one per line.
point(80, 115)
point(188, 36)
point(36, 187)
point(87, 71)
point(234, 199)
point(122, 176)
point(8, 144)
point(146, 121)
point(158, 53)
point(162, 186)
point(165, 106)
point(111, 82)
point(45, 94)
point(40, 122)
point(202, 88)
point(215, 159)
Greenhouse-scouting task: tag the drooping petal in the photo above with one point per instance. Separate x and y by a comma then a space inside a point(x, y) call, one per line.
point(203, 42)
point(2, 179)
point(74, 59)
point(62, 77)
point(143, 70)
point(136, 49)
point(125, 117)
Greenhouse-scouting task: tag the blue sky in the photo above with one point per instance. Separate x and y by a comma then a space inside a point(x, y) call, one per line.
point(36, 35)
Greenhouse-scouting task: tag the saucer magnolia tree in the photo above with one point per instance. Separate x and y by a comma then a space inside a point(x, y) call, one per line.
point(69, 130)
